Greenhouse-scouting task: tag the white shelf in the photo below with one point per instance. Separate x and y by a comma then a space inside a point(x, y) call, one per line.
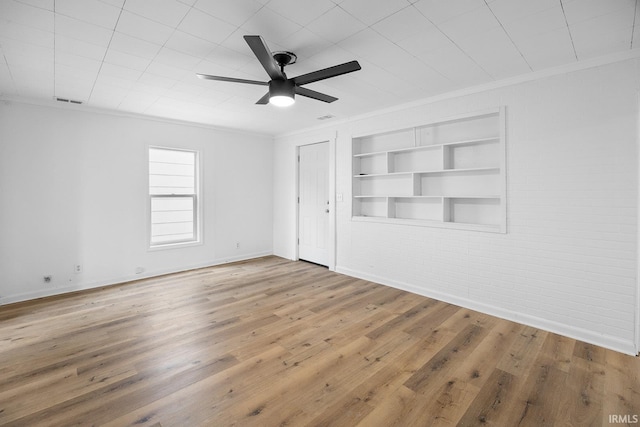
point(429, 223)
point(396, 196)
point(429, 147)
point(371, 175)
point(449, 174)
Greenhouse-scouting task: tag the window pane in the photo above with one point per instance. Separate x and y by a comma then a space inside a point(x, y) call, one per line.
point(164, 155)
point(172, 192)
point(172, 219)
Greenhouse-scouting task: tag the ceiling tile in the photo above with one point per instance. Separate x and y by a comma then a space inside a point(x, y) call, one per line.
point(134, 46)
point(495, 53)
point(636, 31)
point(548, 49)
point(34, 17)
point(191, 45)
point(89, 67)
point(404, 24)
point(271, 26)
point(31, 82)
point(456, 66)
point(90, 11)
point(215, 69)
point(583, 10)
point(200, 24)
point(603, 33)
point(156, 80)
point(438, 11)
point(306, 44)
point(169, 71)
point(137, 102)
point(26, 55)
point(371, 12)
point(431, 40)
point(299, 11)
point(42, 4)
point(511, 10)
point(176, 59)
point(167, 12)
point(469, 24)
point(230, 59)
point(419, 75)
point(336, 25)
point(80, 30)
point(17, 33)
point(79, 47)
point(116, 81)
point(235, 12)
point(122, 59)
point(125, 73)
point(105, 96)
point(116, 3)
point(592, 44)
point(370, 45)
point(536, 24)
point(143, 28)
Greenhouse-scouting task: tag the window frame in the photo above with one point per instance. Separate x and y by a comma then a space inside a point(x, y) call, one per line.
point(197, 205)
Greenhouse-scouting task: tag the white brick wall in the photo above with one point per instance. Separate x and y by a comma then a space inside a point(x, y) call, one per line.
point(569, 260)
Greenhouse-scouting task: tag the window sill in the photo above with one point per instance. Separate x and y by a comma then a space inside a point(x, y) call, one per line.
point(174, 246)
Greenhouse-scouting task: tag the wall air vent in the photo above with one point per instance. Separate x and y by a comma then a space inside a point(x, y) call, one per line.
point(69, 101)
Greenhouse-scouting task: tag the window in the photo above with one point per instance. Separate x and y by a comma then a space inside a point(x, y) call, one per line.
point(173, 196)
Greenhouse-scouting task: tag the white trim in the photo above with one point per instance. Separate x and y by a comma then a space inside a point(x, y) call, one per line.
point(43, 293)
point(523, 78)
point(613, 343)
point(197, 200)
point(331, 261)
point(637, 311)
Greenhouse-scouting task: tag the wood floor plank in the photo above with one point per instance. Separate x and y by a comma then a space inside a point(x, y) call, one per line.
point(271, 342)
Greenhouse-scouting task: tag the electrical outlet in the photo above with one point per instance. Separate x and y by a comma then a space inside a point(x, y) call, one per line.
point(77, 269)
point(237, 245)
point(47, 279)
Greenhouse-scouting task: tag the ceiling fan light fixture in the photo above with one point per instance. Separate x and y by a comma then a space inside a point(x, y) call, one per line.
point(281, 100)
point(281, 93)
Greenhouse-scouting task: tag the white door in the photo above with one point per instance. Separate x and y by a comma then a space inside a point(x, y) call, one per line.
point(313, 207)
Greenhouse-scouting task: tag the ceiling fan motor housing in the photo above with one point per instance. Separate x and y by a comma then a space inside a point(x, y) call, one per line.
point(284, 58)
point(279, 87)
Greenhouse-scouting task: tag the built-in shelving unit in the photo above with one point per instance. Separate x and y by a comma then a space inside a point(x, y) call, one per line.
point(445, 174)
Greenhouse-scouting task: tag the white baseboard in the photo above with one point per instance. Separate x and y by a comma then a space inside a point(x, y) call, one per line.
point(613, 343)
point(43, 293)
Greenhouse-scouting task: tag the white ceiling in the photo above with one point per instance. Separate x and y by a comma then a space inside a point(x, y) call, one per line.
point(141, 56)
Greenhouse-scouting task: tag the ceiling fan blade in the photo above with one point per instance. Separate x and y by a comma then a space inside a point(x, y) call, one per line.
point(326, 73)
point(262, 52)
point(303, 91)
point(231, 79)
point(264, 100)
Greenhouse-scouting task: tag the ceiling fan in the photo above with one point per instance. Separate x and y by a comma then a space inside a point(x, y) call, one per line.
point(282, 90)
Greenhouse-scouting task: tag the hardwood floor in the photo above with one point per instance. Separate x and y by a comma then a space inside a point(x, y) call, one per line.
point(271, 342)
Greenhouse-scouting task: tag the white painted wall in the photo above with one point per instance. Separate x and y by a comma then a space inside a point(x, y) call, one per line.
point(569, 260)
point(73, 190)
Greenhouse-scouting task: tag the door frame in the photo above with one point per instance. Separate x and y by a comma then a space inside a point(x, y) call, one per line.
point(331, 140)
